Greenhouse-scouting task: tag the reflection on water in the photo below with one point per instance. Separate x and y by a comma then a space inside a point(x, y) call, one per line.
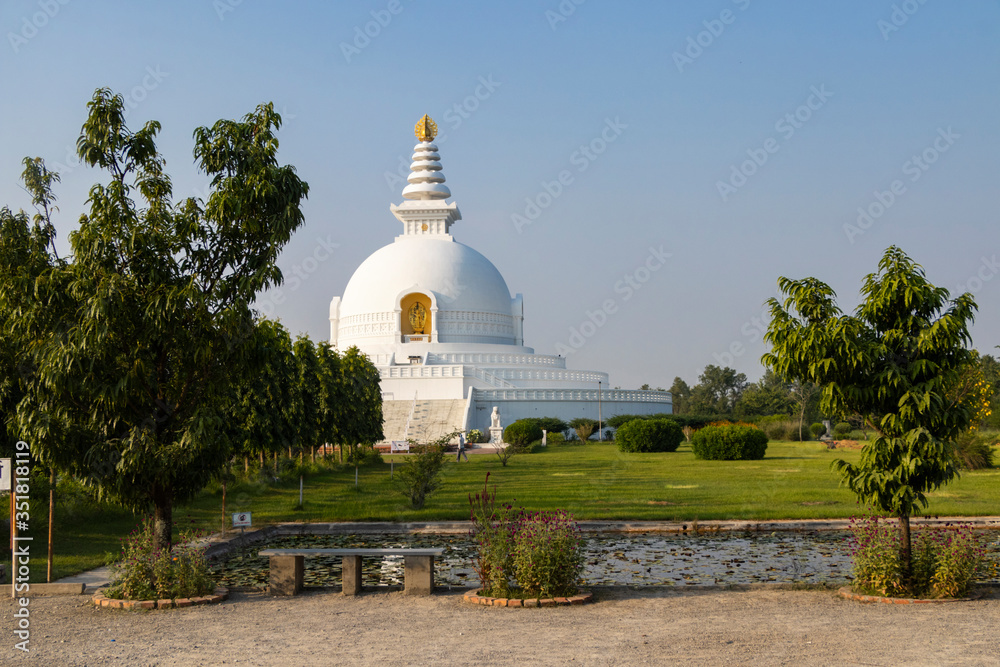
point(644, 559)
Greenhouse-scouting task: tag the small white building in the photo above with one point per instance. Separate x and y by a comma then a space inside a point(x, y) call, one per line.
point(437, 319)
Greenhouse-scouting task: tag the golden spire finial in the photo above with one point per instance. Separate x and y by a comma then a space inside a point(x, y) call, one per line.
point(426, 129)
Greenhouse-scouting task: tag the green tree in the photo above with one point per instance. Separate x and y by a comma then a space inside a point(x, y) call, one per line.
point(584, 427)
point(768, 396)
point(267, 408)
point(138, 338)
point(894, 363)
point(680, 393)
point(310, 388)
point(717, 392)
point(362, 424)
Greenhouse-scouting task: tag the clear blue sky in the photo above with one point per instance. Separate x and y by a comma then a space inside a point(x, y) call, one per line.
point(882, 87)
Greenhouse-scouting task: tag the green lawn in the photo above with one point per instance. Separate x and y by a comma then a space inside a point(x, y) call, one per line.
point(594, 481)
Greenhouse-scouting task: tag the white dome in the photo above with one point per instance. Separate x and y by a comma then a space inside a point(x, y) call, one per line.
point(469, 297)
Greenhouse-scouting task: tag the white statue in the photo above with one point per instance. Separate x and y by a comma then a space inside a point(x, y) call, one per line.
point(495, 417)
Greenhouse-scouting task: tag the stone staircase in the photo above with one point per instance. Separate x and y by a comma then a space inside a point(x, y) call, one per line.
point(430, 421)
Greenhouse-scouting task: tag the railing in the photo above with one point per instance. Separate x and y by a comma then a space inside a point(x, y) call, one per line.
point(607, 395)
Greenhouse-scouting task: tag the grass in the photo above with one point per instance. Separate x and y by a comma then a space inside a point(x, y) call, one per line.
point(593, 481)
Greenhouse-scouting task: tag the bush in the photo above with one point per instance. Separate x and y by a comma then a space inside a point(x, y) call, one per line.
point(817, 429)
point(729, 443)
point(521, 433)
point(418, 477)
point(550, 424)
point(857, 434)
point(363, 455)
point(649, 435)
point(542, 552)
point(973, 451)
point(548, 554)
point(946, 561)
point(842, 429)
point(584, 427)
point(555, 438)
point(146, 573)
point(774, 429)
point(475, 436)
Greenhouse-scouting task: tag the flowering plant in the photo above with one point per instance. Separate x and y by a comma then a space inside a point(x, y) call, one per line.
point(946, 561)
point(540, 552)
point(144, 572)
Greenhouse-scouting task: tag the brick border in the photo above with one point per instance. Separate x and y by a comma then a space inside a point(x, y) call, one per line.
point(848, 594)
point(473, 597)
point(100, 600)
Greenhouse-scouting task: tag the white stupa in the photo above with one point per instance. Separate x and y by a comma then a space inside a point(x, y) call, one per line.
point(438, 320)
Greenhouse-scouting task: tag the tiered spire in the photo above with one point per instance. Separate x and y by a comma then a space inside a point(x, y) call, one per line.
point(426, 181)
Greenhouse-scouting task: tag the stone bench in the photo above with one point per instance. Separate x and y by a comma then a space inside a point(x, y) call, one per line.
point(286, 567)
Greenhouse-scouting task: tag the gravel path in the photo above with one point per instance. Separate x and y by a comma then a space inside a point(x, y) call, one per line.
point(622, 627)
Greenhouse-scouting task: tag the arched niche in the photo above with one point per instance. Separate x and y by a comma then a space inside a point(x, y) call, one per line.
point(415, 316)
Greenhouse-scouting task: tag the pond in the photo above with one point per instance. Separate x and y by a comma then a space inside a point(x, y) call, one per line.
point(643, 559)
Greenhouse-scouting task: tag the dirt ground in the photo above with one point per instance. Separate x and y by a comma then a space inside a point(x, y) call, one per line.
point(622, 627)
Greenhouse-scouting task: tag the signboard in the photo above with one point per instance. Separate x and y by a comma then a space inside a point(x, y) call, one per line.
point(241, 520)
point(6, 475)
point(399, 446)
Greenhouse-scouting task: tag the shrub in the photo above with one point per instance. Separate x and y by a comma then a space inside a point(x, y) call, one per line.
point(550, 424)
point(649, 435)
point(817, 429)
point(775, 429)
point(555, 439)
point(542, 553)
point(364, 455)
point(494, 528)
point(418, 477)
point(946, 561)
point(857, 434)
point(584, 427)
point(475, 436)
point(144, 572)
point(521, 433)
point(973, 451)
point(841, 429)
point(729, 443)
point(548, 554)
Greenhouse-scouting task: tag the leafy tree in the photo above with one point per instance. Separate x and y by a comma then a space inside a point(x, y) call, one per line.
point(334, 400)
point(717, 392)
point(803, 393)
point(138, 338)
point(267, 408)
point(584, 427)
point(310, 389)
point(768, 396)
point(359, 379)
point(550, 424)
point(680, 394)
point(894, 362)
